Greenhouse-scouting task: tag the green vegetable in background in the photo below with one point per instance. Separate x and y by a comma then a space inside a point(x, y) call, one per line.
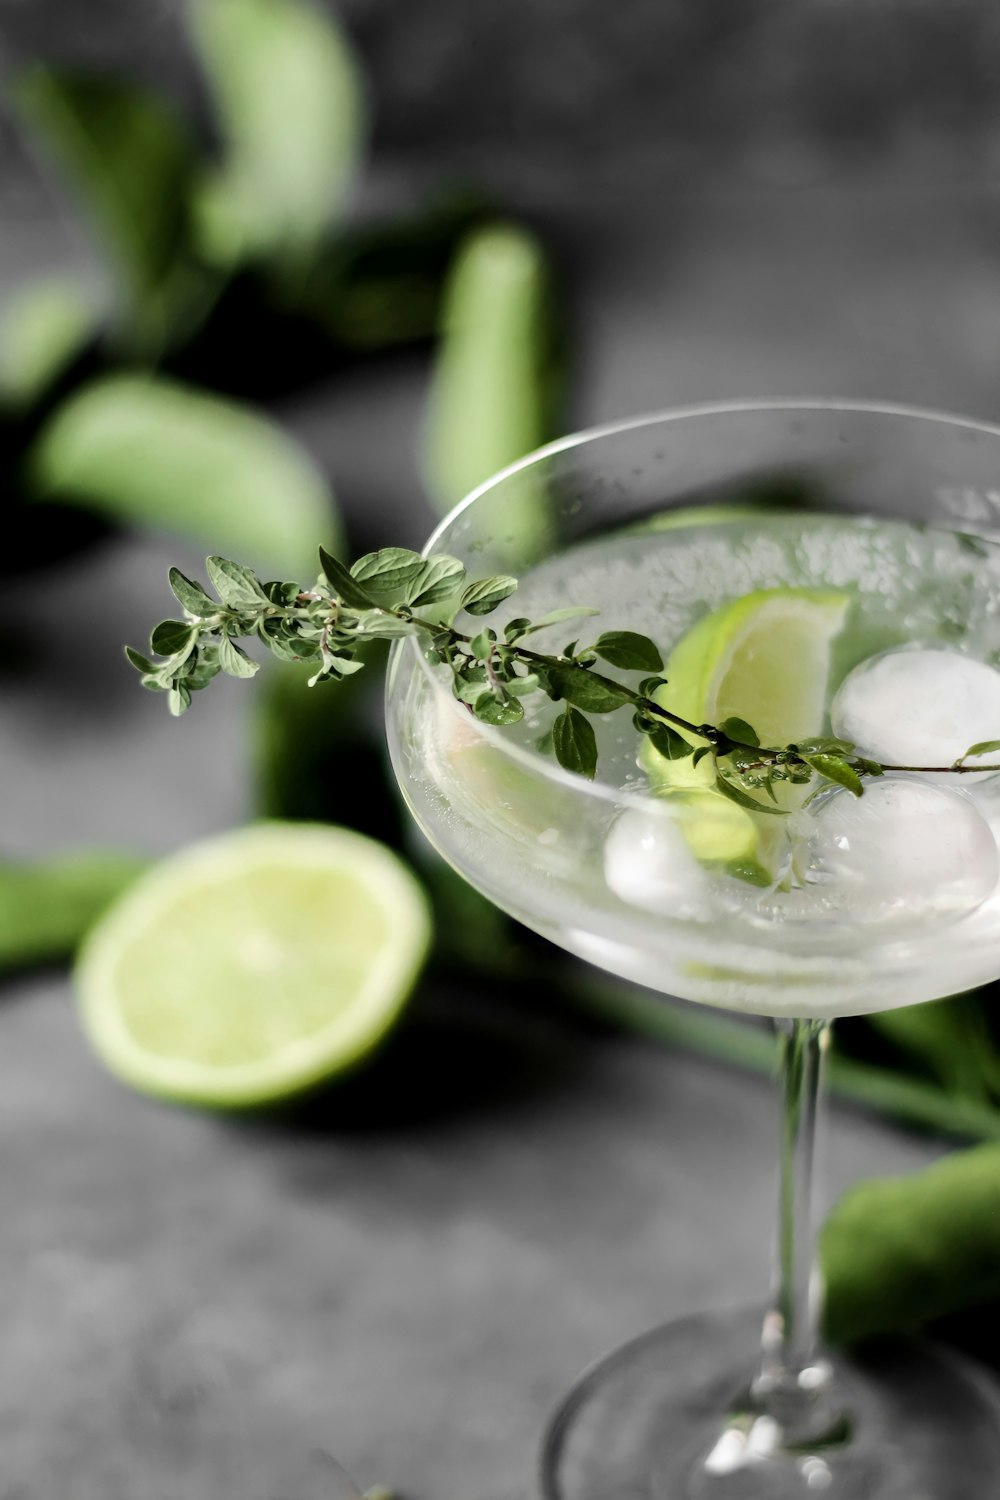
point(899, 1252)
point(132, 163)
point(147, 451)
point(290, 101)
point(949, 1039)
point(47, 328)
point(47, 908)
point(492, 395)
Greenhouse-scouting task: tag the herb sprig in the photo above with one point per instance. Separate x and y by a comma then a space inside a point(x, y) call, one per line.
point(395, 592)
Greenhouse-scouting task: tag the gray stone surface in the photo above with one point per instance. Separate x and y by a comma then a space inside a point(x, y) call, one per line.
point(420, 1268)
point(417, 1294)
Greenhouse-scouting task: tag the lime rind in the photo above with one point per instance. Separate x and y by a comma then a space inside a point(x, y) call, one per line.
point(763, 658)
point(357, 1022)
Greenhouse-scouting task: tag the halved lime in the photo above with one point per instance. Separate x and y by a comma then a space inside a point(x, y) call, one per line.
point(253, 966)
point(764, 658)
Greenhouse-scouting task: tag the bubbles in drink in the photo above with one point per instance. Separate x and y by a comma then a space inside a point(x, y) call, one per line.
point(906, 851)
point(918, 707)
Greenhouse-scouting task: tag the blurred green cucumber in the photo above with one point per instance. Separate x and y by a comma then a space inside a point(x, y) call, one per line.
point(47, 908)
point(493, 387)
point(131, 163)
point(290, 104)
point(146, 451)
point(899, 1252)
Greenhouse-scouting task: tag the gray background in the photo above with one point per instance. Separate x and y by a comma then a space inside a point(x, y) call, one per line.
point(750, 199)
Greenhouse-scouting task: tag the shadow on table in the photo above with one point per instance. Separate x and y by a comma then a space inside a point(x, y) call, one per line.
point(456, 1055)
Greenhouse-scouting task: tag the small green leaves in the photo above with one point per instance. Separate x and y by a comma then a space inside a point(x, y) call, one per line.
point(834, 768)
point(593, 693)
point(191, 595)
point(498, 708)
point(629, 650)
point(483, 597)
point(984, 747)
point(344, 584)
point(669, 743)
point(179, 699)
point(823, 746)
point(140, 662)
point(743, 799)
point(172, 636)
point(387, 574)
point(574, 743)
point(556, 616)
point(739, 729)
point(439, 578)
point(490, 671)
point(234, 584)
point(234, 661)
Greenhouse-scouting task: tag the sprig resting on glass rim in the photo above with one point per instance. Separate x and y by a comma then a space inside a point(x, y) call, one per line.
point(395, 592)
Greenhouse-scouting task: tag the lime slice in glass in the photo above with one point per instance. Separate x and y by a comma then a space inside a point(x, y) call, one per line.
point(250, 967)
point(764, 658)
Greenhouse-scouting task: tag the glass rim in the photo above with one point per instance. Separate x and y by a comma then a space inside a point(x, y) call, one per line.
point(547, 766)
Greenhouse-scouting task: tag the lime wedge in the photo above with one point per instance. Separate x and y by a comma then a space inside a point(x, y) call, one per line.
point(764, 658)
point(253, 966)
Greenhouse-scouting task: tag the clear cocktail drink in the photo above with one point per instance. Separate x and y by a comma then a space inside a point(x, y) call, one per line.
point(808, 567)
point(629, 884)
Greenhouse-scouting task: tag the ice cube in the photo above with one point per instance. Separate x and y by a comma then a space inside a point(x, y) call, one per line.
point(906, 849)
point(919, 707)
point(647, 863)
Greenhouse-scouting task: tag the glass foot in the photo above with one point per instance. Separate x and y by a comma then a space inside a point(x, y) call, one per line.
point(663, 1419)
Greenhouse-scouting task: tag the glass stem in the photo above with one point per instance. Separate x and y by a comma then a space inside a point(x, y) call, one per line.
point(791, 1379)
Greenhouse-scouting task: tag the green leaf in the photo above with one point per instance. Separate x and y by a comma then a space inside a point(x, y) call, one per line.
point(483, 596)
point(146, 451)
point(292, 647)
point(835, 769)
point(171, 637)
point(290, 103)
point(629, 650)
point(742, 799)
point(235, 585)
point(179, 699)
point(47, 326)
point(191, 595)
point(574, 743)
point(482, 644)
point(556, 617)
point(282, 593)
point(984, 747)
point(596, 695)
point(440, 578)
point(492, 391)
point(131, 161)
point(739, 729)
point(233, 659)
point(700, 752)
point(388, 573)
point(515, 629)
point(140, 662)
point(669, 743)
point(343, 583)
point(824, 746)
point(202, 666)
point(493, 708)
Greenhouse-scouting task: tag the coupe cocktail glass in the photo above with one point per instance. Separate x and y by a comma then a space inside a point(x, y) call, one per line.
point(657, 522)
